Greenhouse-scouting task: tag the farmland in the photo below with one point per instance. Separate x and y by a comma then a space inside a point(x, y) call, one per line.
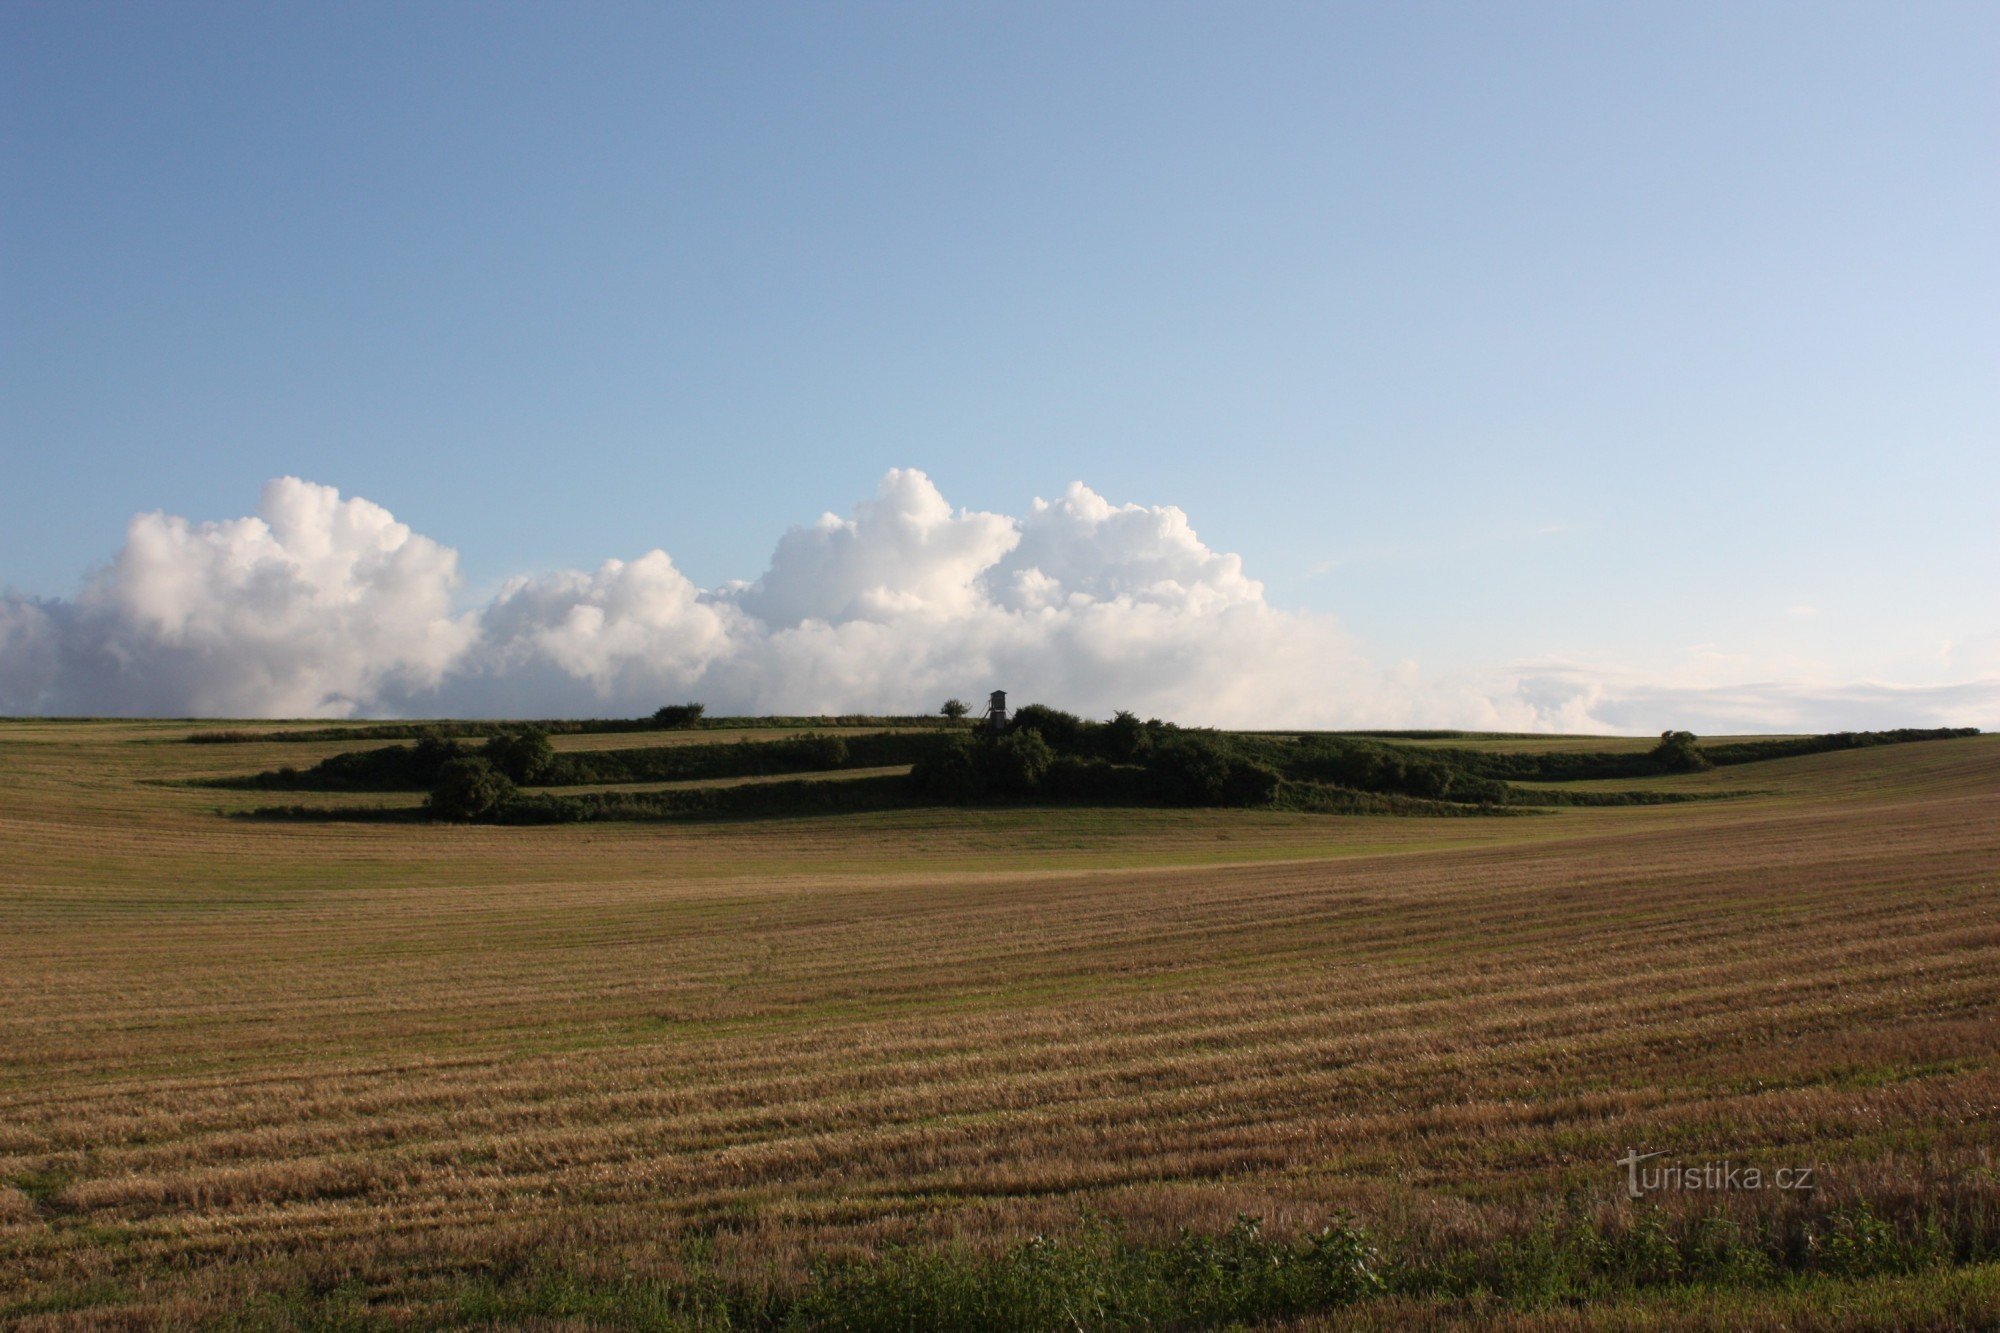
point(351, 1073)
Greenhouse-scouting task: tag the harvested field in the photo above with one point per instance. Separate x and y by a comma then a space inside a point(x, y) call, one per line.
point(427, 1074)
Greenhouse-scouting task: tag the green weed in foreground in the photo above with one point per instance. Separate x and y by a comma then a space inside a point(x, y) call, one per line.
point(1573, 1260)
point(1101, 1277)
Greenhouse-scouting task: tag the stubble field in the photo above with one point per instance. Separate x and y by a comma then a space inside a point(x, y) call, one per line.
point(347, 1074)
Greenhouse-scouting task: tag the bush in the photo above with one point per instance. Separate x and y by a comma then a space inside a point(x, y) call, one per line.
point(1677, 752)
point(1250, 784)
point(1125, 739)
point(524, 756)
point(1201, 769)
point(678, 717)
point(1366, 766)
point(757, 800)
point(432, 752)
point(389, 768)
point(469, 788)
point(1062, 731)
point(1188, 771)
point(1014, 764)
point(1093, 782)
point(968, 769)
point(949, 773)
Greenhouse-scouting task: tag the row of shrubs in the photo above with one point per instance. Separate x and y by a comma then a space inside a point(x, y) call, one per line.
point(1181, 769)
point(1051, 755)
point(1046, 755)
point(1190, 769)
point(526, 757)
point(1169, 766)
point(1055, 756)
point(1745, 752)
point(470, 789)
point(1676, 752)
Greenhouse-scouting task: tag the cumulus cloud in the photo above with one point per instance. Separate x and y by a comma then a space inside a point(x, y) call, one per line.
point(313, 608)
point(905, 553)
point(328, 607)
point(901, 604)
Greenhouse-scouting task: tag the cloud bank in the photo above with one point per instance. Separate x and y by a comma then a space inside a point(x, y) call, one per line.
point(321, 606)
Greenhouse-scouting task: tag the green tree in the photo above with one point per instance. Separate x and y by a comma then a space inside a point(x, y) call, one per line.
point(1063, 731)
point(1014, 764)
point(955, 709)
point(524, 756)
point(1190, 771)
point(678, 717)
point(430, 754)
point(1678, 752)
point(469, 788)
point(949, 773)
point(1126, 739)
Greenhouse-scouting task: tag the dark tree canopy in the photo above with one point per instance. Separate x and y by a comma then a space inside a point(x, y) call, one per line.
point(469, 788)
point(678, 716)
point(1677, 752)
point(1013, 765)
point(950, 773)
point(524, 756)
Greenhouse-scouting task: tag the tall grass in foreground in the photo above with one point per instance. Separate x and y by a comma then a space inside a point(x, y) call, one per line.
point(1102, 1276)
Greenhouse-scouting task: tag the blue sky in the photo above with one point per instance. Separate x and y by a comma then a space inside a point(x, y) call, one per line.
point(1498, 332)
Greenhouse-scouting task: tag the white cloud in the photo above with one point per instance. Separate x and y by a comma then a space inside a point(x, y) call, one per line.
point(314, 608)
point(904, 553)
point(321, 606)
point(1720, 696)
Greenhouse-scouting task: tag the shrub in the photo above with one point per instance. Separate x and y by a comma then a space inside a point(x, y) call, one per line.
point(759, 800)
point(1189, 771)
point(1366, 766)
point(524, 756)
point(469, 788)
point(431, 753)
point(1093, 781)
point(1125, 739)
point(967, 769)
point(1062, 731)
point(816, 750)
point(1250, 784)
point(949, 773)
point(1677, 752)
point(1201, 769)
point(678, 717)
point(389, 768)
point(1013, 765)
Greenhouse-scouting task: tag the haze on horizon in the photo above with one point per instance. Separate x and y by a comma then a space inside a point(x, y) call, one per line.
point(1536, 368)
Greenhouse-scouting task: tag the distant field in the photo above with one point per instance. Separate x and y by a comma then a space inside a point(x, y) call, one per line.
point(341, 1074)
point(1583, 744)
